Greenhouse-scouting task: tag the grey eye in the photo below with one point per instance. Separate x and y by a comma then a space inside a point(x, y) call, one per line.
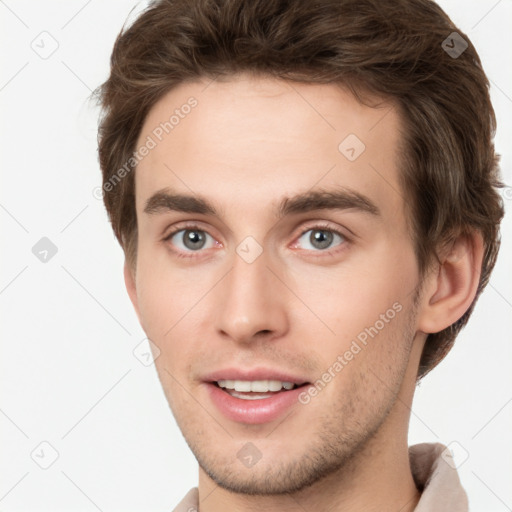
point(191, 239)
point(320, 239)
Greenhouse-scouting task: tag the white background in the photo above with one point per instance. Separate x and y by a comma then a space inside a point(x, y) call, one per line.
point(69, 376)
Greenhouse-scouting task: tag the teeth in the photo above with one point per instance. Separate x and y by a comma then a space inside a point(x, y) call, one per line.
point(257, 386)
point(247, 396)
point(275, 385)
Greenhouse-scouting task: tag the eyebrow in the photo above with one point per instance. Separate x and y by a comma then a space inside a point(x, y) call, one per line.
point(340, 199)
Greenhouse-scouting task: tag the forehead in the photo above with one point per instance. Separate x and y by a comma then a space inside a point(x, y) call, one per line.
point(251, 141)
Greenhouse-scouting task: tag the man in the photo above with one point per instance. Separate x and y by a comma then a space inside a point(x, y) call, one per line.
point(306, 196)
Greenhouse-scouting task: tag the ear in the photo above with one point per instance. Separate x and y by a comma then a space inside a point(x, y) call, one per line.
point(451, 288)
point(129, 281)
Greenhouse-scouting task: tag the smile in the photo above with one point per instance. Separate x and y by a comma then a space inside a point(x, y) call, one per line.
point(254, 402)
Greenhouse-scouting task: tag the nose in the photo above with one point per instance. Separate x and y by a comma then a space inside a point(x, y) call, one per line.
point(251, 302)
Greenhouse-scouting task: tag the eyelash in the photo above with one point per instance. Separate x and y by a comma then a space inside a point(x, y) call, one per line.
point(316, 227)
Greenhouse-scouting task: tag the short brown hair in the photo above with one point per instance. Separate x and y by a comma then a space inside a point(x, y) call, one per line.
point(392, 49)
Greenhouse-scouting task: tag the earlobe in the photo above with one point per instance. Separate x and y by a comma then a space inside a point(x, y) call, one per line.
point(129, 281)
point(451, 290)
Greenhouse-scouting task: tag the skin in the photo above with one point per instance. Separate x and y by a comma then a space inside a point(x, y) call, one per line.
point(249, 143)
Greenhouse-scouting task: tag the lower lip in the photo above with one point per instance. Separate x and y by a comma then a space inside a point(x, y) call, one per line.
point(262, 410)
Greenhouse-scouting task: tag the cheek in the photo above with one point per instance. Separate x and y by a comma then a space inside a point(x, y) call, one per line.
point(160, 304)
point(353, 297)
point(171, 304)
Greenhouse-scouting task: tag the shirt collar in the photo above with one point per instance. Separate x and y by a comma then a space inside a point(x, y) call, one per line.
point(435, 475)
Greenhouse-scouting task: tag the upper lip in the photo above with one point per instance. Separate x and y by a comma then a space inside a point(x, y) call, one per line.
point(252, 374)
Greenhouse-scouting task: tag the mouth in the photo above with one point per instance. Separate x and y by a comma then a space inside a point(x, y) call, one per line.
point(254, 401)
point(255, 389)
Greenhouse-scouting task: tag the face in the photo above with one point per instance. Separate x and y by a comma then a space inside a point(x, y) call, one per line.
point(273, 246)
